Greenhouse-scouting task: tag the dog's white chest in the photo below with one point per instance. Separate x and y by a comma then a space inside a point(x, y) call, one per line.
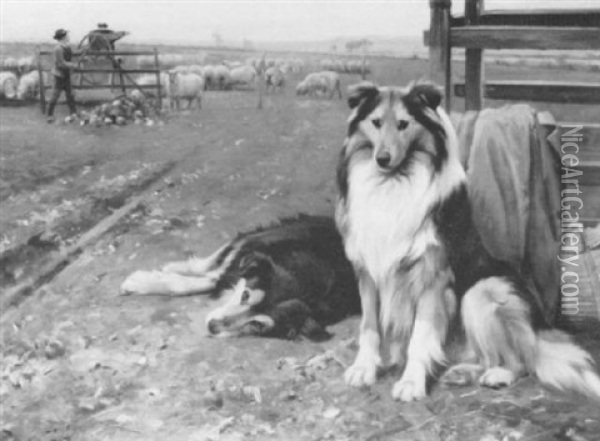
point(385, 217)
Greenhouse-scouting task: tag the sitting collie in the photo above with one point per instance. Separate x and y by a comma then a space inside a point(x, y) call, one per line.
point(404, 215)
point(286, 280)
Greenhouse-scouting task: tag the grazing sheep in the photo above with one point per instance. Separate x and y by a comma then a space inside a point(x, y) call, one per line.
point(243, 76)
point(309, 85)
point(8, 85)
point(333, 83)
point(320, 83)
point(29, 86)
point(26, 64)
point(222, 77)
point(187, 86)
point(274, 79)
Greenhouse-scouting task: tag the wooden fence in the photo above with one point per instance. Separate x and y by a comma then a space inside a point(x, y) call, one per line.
point(479, 29)
point(126, 81)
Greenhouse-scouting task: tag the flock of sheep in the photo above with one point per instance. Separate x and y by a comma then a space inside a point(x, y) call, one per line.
point(19, 78)
point(353, 66)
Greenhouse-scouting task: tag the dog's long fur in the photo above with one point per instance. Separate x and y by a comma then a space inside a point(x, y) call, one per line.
point(404, 214)
point(288, 279)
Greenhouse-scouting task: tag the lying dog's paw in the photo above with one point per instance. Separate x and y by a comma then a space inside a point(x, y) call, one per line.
point(461, 375)
point(409, 390)
point(497, 377)
point(143, 283)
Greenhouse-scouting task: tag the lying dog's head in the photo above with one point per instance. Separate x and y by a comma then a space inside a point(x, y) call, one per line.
point(245, 303)
point(399, 124)
point(265, 300)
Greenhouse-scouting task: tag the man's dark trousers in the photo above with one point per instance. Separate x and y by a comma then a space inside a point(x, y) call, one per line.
point(60, 84)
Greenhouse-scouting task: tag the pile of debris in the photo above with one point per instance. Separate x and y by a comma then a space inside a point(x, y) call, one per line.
point(119, 112)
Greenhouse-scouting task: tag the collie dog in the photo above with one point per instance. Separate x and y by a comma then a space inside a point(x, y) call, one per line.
point(289, 279)
point(404, 214)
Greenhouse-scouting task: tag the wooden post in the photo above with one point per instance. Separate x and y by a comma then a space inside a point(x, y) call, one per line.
point(474, 68)
point(439, 47)
point(42, 84)
point(158, 89)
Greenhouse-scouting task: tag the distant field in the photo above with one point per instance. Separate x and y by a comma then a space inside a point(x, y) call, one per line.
point(392, 70)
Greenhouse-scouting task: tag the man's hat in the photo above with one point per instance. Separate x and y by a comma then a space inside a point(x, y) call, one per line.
point(102, 25)
point(60, 34)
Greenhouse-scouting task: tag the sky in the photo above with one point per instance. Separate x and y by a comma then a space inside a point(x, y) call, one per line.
point(196, 21)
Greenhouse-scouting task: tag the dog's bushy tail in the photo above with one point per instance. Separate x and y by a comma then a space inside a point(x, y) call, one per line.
point(562, 364)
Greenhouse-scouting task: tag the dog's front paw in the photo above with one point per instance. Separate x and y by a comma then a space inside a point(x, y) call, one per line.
point(497, 377)
point(361, 374)
point(409, 390)
point(143, 283)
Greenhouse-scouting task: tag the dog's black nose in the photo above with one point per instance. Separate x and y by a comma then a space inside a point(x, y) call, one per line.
point(384, 159)
point(213, 326)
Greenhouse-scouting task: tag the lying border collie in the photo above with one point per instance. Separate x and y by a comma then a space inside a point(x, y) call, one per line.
point(289, 279)
point(404, 215)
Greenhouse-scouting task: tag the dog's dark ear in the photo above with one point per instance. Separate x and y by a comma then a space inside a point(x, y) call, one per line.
point(255, 265)
point(427, 94)
point(361, 91)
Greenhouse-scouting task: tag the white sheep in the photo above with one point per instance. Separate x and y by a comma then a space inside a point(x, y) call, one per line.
point(333, 83)
point(274, 79)
point(187, 86)
point(8, 85)
point(29, 86)
point(243, 76)
point(320, 83)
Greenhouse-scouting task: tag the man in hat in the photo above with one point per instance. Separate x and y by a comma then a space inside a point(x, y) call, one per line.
point(100, 37)
point(61, 72)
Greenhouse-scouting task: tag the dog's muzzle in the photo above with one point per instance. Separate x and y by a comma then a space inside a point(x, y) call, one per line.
point(383, 159)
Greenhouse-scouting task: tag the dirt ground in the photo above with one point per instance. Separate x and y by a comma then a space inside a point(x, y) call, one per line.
point(82, 363)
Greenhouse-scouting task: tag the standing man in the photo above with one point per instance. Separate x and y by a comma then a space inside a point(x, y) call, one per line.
point(107, 37)
point(61, 71)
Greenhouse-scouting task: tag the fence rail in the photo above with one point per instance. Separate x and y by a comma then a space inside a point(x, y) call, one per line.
point(123, 74)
